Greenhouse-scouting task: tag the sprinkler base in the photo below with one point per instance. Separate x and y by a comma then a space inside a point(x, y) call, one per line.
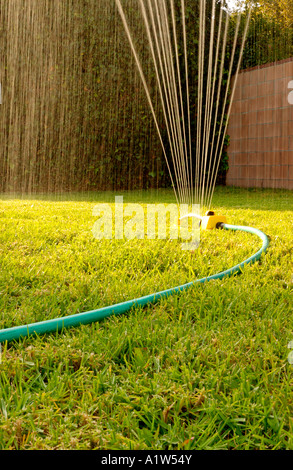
point(211, 221)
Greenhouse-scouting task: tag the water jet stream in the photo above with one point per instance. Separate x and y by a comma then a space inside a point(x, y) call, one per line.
point(195, 170)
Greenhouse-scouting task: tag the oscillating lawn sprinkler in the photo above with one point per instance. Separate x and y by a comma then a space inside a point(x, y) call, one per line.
point(209, 221)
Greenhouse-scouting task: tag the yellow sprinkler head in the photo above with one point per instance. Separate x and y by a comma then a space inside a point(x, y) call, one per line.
point(210, 220)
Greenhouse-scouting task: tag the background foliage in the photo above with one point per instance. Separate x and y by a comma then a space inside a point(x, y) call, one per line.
point(74, 113)
point(270, 36)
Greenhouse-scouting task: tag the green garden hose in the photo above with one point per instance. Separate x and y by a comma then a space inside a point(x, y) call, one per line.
point(58, 324)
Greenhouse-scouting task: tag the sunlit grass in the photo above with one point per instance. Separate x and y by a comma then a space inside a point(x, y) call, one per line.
point(206, 369)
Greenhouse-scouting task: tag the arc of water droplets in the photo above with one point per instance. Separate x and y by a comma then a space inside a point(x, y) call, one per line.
point(220, 144)
point(195, 175)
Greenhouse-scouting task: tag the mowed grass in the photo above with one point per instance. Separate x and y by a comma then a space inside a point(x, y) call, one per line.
point(206, 369)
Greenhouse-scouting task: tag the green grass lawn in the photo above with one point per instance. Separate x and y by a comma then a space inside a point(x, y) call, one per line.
point(207, 369)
